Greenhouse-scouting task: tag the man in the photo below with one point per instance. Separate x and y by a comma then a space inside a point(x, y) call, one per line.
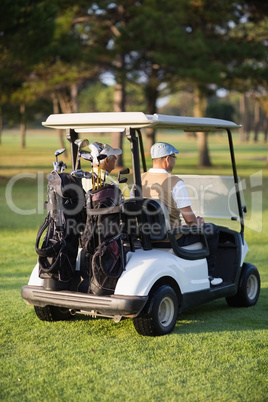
point(107, 165)
point(159, 183)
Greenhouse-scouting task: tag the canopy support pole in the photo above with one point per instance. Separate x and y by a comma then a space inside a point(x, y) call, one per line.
point(236, 181)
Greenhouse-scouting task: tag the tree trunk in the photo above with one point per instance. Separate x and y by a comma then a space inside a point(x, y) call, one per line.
point(242, 117)
point(200, 104)
point(119, 105)
point(203, 157)
point(256, 120)
point(22, 126)
point(74, 96)
point(151, 94)
point(64, 102)
point(56, 110)
point(248, 117)
point(1, 128)
point(265, 123)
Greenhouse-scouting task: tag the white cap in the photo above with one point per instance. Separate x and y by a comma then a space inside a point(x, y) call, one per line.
point(162, 149)
point(108, 150)
point(104, 149)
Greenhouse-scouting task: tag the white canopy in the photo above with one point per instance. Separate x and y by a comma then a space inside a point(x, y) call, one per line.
point(109, 121)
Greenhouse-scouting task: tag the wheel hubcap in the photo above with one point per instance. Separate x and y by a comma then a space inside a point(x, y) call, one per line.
point(166, 312)
point(252, 287)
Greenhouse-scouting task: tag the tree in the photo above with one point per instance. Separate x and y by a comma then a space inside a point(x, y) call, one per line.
point(198, 42)
point(26, 31)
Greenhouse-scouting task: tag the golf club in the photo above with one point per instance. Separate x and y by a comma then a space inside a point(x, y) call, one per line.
point(87, 156)
point(62, 166)
point(57, 166)
point(99, 158)
point(81, 174)
point(80, 144)
point(124, 179)
point(59, 152)
point(96, 150)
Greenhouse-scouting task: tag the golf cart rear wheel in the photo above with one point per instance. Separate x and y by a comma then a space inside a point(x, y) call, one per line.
point(249, 288)
point(160, 314)
point(52, 313)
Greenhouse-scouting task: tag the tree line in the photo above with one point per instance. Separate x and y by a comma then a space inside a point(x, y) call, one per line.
point(50, 51)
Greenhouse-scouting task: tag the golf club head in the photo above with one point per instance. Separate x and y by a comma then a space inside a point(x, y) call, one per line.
point(95, 151)
point(123, 171)
point(95, 147)
point(62, 166)
point(59, 152)
point(81, 174)
point(124, 180)
point(81, 143)
point(101, 157)
point(86, 155)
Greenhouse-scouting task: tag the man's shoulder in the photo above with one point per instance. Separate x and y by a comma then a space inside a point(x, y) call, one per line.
point(162, 178)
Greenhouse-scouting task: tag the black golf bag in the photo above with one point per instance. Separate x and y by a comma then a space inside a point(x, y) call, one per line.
point(63, 225)
point(102, 241)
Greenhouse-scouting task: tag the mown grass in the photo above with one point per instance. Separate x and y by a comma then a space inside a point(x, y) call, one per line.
point(215, 353)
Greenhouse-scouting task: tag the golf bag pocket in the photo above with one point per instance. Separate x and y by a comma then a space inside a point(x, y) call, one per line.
point(103, 217)
point(102, 239)
point(107, 266)
point(57, 255)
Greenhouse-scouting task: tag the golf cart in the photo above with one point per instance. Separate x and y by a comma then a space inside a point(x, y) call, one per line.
point(155, 284)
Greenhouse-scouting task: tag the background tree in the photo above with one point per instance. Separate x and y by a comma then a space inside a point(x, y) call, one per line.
point(26, 31)
point(192, 44)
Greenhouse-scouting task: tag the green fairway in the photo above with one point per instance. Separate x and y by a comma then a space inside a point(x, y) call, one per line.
point(215, 353)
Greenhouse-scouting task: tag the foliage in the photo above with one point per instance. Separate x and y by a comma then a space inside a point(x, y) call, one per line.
point(26, 32)
point(201, 44)
point(98, 97)
point(220, 110)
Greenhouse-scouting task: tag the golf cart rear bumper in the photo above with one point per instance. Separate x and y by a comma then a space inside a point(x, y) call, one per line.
point(113, 305)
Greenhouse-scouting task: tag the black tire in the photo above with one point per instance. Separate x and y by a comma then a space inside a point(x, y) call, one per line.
point(160, 314)
point(249, 288)
point(52, 313)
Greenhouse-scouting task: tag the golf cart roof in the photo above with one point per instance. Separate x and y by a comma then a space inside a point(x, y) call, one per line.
point(86, 122)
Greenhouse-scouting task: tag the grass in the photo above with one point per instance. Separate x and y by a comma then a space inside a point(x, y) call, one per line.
point(215, 353)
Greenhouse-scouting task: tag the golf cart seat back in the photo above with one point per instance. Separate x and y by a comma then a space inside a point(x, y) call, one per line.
point(153, 228)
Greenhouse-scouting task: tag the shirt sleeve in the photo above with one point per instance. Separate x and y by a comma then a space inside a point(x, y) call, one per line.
point(180, 195)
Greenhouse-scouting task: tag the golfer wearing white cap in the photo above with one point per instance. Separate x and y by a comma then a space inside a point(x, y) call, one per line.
point(159, 183)
point(106, 165)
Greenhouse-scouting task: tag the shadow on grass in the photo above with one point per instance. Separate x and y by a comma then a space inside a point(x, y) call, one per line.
point(212, 317)
point(217, 316)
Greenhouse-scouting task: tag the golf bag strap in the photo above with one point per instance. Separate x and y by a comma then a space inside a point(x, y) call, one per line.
point(47, 251)
point(104, 211)
point(52, 207)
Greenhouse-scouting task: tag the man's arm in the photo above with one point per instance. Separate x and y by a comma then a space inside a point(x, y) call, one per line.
point(190, 218)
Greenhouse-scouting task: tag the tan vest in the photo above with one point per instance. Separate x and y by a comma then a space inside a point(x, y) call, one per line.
point(160, 186)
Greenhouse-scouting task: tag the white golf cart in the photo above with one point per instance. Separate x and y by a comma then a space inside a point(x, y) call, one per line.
point(157, 284)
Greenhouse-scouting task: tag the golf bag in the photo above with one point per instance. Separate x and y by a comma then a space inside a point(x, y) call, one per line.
point(102, 241)
point(66, 218)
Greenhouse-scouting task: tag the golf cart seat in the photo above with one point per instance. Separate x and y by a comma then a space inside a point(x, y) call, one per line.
point(148, 219)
